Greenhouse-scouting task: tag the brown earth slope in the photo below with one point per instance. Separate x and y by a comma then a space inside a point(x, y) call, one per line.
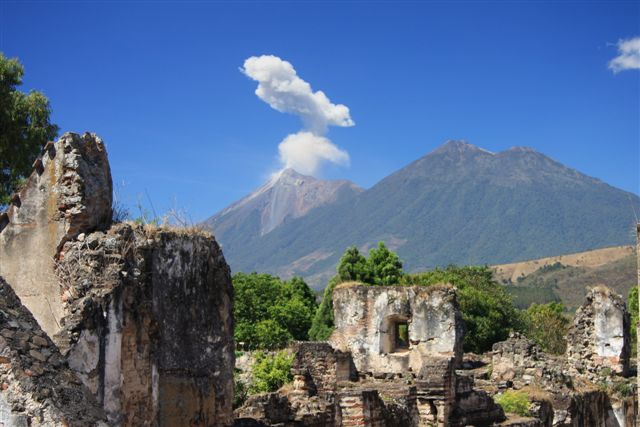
point(567, 278)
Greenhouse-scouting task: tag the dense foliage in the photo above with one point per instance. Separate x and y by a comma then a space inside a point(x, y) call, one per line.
point(486, 307)
point(271, 371)
point(547, 325)
point(24, 127)
point(382, 267)
point(514, 402)
point(269, 312)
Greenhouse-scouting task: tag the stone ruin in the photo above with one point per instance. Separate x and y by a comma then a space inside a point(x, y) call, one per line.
point(37, 387)
point(136, 320)
point(105, 324)
point(599, 338)
point(392, 361)
point(370, 319)
point(395, 359)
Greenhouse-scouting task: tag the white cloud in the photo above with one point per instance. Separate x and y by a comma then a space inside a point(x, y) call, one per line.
point(629, 56)
point(305, 152)
point(281, 88)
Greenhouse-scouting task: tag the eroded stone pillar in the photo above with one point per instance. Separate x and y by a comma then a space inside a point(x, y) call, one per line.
point(69, 192)
point(599, 337)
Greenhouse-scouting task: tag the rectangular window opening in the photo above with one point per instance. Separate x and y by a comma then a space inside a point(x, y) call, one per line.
point(402, 335)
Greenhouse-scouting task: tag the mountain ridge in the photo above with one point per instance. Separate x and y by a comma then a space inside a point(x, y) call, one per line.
point(457, 204)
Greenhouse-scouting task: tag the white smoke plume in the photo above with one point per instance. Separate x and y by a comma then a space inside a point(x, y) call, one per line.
point(281, 88)
point(629, 56)
point(305, 151)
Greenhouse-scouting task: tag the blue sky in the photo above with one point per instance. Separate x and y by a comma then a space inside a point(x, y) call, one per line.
point(160, 82)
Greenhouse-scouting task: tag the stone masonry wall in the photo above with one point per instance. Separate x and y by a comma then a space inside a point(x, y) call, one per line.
point(365, 318)
point(37, 388)
point(142, 315)
point(150, 325)
point(599, 336)
point(321, 367)
point(69, 192)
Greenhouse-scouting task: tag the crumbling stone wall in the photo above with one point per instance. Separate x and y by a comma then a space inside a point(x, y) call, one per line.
point(142, 315)
point(37, 388)
point(330, 389)
point(150, 329)
point(519, 361)
point(560, 398)
point(599, 335)
point(365, 318)
point(320, 367)
point(69, 192)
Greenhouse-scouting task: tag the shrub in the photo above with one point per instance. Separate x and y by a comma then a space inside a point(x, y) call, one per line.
point(547, 325)
point(514, 402)
point(271, 371)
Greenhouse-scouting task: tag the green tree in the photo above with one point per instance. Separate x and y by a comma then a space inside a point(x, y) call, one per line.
point(24, 127)
point(385, 267)
point(486, 307)
point(269, 312)
point(322, 325)
point(353, 266)
point(269, 334)
point(547, 325)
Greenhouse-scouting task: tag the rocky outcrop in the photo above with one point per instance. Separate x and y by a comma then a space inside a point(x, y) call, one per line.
point(599, 336)
point(69, 192)
point(37, 388)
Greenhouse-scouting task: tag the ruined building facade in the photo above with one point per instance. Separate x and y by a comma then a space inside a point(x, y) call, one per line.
point(139, 318)
point(395, 359)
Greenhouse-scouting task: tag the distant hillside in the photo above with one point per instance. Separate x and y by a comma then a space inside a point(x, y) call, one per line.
point(567, 278)
point(459, 204)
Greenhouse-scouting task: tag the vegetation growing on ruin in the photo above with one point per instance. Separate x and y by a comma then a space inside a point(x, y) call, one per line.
point(270, 312)
point(271, 371)
point(486, 306)
point(382, 267)
point(514, 402)
point(24, 127)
